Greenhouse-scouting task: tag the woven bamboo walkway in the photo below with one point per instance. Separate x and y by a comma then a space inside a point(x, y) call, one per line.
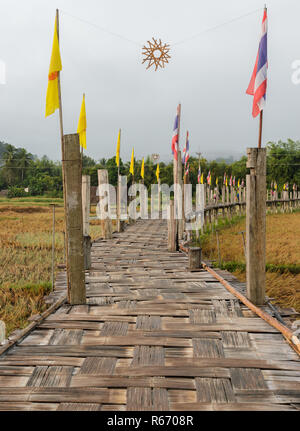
point(152, 337)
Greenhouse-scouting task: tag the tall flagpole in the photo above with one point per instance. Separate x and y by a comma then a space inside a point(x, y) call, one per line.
point(119, 191)
point(176, 179)
point(260, 128)
point(62, 142)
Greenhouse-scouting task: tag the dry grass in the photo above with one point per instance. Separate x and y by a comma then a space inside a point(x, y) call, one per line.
point(25, 254)
point(284, 289)
point(282, 248)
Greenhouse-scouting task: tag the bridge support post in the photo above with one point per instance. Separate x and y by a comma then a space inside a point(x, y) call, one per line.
point(256, 225)
point(194, 258)
point(180, 199)
point(172, 229)
point(2, 332)
point(86, 207)
point(74, 220)
point(106, 224)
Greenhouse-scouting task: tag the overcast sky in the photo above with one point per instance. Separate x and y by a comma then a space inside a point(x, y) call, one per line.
point(208, 74)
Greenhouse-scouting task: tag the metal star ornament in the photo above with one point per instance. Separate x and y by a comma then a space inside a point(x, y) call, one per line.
point(156, 53)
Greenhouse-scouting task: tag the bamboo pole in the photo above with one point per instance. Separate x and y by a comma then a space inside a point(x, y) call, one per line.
point(75, 256)
point(62, 153)
point(53, 243)
point(256, 225)
point(118, 192)
point(286, 332)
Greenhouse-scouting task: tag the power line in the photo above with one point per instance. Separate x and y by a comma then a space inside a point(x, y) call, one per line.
point(105, 30)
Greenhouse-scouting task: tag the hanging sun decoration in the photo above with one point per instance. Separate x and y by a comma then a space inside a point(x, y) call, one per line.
point(156, 53)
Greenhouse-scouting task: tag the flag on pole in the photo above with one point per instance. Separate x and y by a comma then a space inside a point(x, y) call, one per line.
point(208, 179)
point(118, 149)
point(157, 172)
point(176, 134)
point(226, 182)
point(131, 170)
point(186, 155)
point(230, 180)
point(258, 82)
point(217, 181)
point(52, 99)
point(233, 182)
point(238, 183)
point(187, 168)
point(81, 128)
point(199, 174)
point(143, 169)
point(202, 182)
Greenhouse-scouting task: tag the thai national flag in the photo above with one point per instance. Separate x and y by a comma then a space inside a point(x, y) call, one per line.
point(187, 168)
point(186, 155)
point(176, 134)
point(208, 179)
point(199, 174)
point(258, 83)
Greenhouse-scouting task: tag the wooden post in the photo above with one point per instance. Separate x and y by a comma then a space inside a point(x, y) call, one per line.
point(86, 207)
point(86, 203)
point(194, 258)
point(53, 245)
point(159, 197)
point(106, 225)
point(74, 221)
point(2, 332)
point(256, 225)
point(172, 229)
point(180, 197)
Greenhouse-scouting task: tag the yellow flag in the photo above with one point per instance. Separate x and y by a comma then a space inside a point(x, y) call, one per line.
point(239, 183)
point(143, 169)
point(81, 128)
point(157, 172)
point(201, 181)
point(118, 149)
point(217, 181)
point(226, 182)
point(52, 100)
point(131, 170)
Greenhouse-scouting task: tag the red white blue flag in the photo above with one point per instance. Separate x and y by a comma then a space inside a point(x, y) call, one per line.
point(176, 134)
point(186, 154)
point(187, 168)
point(258, 83)
point(199, 174)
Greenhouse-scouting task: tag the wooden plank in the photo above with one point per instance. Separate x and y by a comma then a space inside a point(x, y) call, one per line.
point(55, 376)
point(247, 378)
point(94, 366)
point(214, 390)
point(207, 348)
point(88, 407)
point(69, 395)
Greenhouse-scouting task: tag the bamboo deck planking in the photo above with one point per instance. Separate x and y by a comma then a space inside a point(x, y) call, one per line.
point(152, 336)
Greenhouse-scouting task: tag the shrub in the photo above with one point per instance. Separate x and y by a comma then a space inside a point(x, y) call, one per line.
point(16, 192)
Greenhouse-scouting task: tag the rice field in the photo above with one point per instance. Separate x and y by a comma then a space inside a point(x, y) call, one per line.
point(26, 256)
point(282, 255)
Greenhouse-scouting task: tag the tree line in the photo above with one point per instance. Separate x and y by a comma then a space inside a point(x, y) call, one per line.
point(20, 170)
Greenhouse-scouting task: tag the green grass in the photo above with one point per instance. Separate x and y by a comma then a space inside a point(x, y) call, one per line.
point(36, 200)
